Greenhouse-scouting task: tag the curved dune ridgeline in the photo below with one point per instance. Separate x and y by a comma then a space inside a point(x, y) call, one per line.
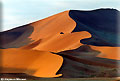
point(103, 25)
point(71, 44)
point(53, 25)
point(41, 29)
point(66, 42)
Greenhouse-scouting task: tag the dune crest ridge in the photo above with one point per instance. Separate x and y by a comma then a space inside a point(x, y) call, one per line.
point(53, 25)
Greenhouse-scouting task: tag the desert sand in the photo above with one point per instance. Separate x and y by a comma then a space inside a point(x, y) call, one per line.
point(32, 62)
point(38, 48)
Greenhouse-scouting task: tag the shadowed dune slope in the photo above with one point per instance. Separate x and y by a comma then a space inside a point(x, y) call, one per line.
point(103, 24)
point(82, 62)
point(88, 67)
point(16, 37)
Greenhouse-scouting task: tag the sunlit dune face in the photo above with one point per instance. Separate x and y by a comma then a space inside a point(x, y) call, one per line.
point(52, 25)
point(35, 63)
point(108, 52)
point(60, 42)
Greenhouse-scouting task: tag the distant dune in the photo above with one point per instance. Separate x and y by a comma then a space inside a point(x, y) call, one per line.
point(69, 44)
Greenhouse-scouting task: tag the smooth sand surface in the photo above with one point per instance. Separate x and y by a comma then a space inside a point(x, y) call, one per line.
point(52, 25)
point(66, 42)
point(108, 52)
point(32, 62)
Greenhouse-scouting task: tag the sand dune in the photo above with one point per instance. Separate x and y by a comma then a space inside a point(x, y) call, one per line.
point(50, 26)
point(102, 24)
point(104, 30)
point(108, 52)
point(32, 62)
point(53, 25)
point(42, 47)
point(84, 62)
point(66, 42)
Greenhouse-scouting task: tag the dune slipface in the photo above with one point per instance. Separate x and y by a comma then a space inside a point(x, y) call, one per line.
point(71, 44)
point(103, 25)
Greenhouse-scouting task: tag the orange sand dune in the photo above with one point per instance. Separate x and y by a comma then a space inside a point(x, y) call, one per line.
point(38, 30)
point(32, 62)
point(52, 25)
point(49, 30)
point(108, 52)
point(29, 53)
point(46, 36)
point(60, 42)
